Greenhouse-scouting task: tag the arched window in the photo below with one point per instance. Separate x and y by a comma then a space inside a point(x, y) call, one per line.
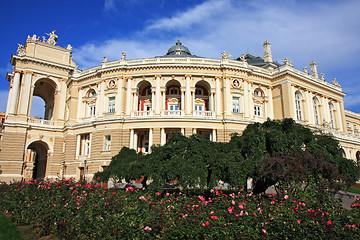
point(332, 115)
point(298, 106)
point(258, 93)
point(316, 111)
point(91, 102)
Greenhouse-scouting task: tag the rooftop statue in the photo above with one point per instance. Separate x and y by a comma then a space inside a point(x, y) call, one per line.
point(242, 57)
point(123, 56)
point(53, 38)
point(225, 55)
point(21, 50)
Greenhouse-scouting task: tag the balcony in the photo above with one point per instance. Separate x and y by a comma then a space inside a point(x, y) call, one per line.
point(41, 122)
point(174, 113)
point(142, 113)
point(203, 114)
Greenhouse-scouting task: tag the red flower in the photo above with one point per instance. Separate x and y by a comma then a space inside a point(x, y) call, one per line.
point(214, 217)
point(329, 223)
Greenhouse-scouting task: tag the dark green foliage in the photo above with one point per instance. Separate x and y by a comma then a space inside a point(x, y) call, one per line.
point(272, 152)
point(127, 165)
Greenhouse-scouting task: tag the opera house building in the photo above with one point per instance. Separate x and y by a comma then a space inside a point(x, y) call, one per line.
point(91, 114)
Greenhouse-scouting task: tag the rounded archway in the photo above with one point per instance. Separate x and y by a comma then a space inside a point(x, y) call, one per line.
point(36, 160)
point(174, 98)
point(45, 89)
point(202, 90)
point(145, 96)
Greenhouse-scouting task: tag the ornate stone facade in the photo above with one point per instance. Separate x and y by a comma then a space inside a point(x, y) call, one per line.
point(90, 115)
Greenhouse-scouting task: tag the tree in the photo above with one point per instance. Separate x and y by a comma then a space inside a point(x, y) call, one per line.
point(294, 154)
point(194, 162)
point(127, 164)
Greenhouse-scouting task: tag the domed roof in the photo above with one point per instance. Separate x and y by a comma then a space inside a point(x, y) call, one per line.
point(178, 50)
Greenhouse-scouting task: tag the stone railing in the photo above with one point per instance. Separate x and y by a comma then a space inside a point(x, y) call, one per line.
point(142, 113)
point(203, 113)
point(172, 113)
point(38, 121)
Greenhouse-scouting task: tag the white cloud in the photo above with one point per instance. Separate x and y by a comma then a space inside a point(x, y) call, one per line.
point(199, 13)
point(302, 32)
point(324, 31)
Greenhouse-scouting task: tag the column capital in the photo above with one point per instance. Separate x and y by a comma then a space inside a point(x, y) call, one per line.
point(157, 76)
point(28, 72)
point(188, 75)
point(128, 78)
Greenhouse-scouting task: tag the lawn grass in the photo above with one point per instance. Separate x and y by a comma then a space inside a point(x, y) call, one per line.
point(354, 189)
point(8, 230)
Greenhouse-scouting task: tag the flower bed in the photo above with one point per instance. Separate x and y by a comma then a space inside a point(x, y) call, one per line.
point(72, 210)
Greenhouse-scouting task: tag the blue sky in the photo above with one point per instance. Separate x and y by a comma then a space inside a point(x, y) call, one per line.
point(327, 32)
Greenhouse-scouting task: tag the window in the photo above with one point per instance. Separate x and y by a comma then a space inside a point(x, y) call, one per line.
point(174, 107)
point(258, 93)
point(107, 142)
point(198, 107)
point(111, 105)
point(174, 91)
point(236, 104)
point(316, 111)
point(92, 110)
point(198, 91)
point(84, 145)
point(91, 93)
point(298, 106)
point(257, 111)
point(332, 118)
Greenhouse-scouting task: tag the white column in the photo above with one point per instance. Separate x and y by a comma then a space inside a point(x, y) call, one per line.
point(25, 94)
point(214, 135)
point(15, 92)
point(183, 131)
point(135, 141)
point(101, 98)
point(271, 104)
point(217, 96)
point(325, 109)
point(245, 101)
point(339, 117)
point(292, 102)
point(128, 98)
point(227, 96)
point(131, 139)
point(90, 139)
point(250, 100)
point(163, 102)
point(150, 139)
point(309, 108)
point(157, 95)
point(78, 142)
point(211, 102)
point(153, 105)
point(61, 100)
point(80, 108)
point(188, 95)
point(193, 101)
point(162, 136)
point(194, 131)
point(136, 102)
point(182, 100)
point(119, 97)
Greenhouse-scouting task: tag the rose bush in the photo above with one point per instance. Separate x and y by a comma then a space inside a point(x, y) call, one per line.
point(72, 210)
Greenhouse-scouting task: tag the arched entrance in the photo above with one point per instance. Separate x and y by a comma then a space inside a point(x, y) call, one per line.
point(45, 89)
point(36, 160)
point(358, 158)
